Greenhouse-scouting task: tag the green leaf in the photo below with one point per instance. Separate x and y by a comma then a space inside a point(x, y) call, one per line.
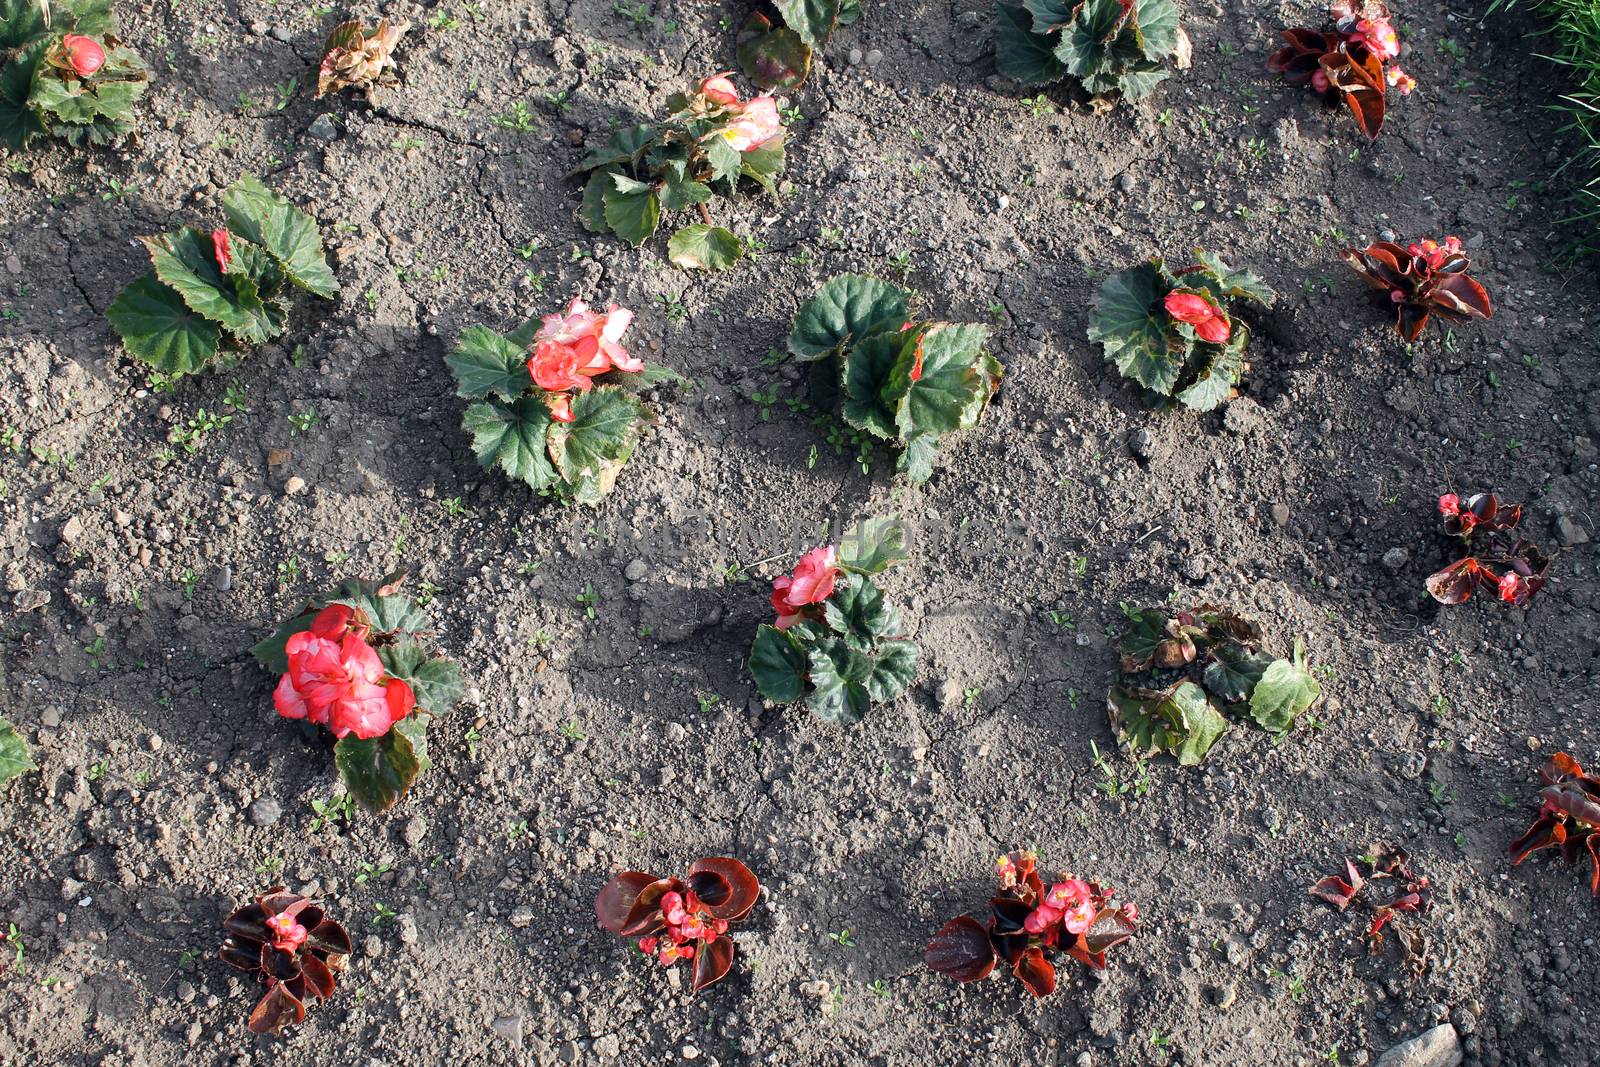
point(590, 451)
point(1157, 23)
point(856, 612)
point(846, 310)
point(1233, 672)
point(14, 759)
point(631, 209)
point(414, 728)
point(1224, 281)
point(270, 651)
point(918, 455)
point(485, 362)
point(592, 211)
point(435, 681)
point(839, 675)
point(387, 611)
point(867, 367)
point(1220, 368)
point(625, 146)
point(513, 436)
point(19, 123)
point(772, 56)
point(184, 261)
point(377, 771)
point(1085, 45)
point(1021, 54)
point(1137, 650)
point(811, 20)
point(954, 387)
point(872, 546)
point(157, 327)
point(110, 95)
point(893, 671)
point(1138, 84)
point(258, 214)
point(725, 160)
point(778, 665)
point(702, 247)
point(1180, 721)
point(20, 21)
point(1049, 16)
point(681, 193)
point(764, 163)
point(1285, 690)
point(1130, 323)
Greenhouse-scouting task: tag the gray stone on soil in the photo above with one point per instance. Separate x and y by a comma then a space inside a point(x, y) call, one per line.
point(294, 486)
point(415, 829)
point(1242, 416)
point(323, 129)
point(265, 812)
point(281, 33)
point(607, 1046)
point(509, 1027)
point(1395, 559)
point(1127, 183)
point(522, 916)
point(636, 570)
point(222, 579)
point(406, 927)
point(372, 946)
point(1438, 1047)
point(1139, 442)
point(1571, 532)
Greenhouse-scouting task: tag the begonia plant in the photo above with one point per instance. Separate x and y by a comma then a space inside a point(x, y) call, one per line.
point(358, 58)
point(555, 399)
point(1176, 333)
point(777, 41)
point(1412, 895)
point(292, 948)
point(213, 291)
point(65, 75)
point(1183, 674)
point(1497, 557)
point(1030, 925)
point(892, 376)
point(1108, 47)
point(1351, 60)
point(682, 918)
point(708, 142)
point(1569, 817)
point(1421, 280)
point(836, 642)
point(360, 662)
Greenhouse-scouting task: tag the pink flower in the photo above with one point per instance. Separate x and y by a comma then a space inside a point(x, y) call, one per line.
point(573, 347)
point(84, 54)
point(560, 405)
point(756, 124)
point(1400, 80)
point(1319, 80)
point(1449, 505)
point(1509, 586)
point(335, 679)
point(287, 934)
point(221, 248)
point(812, 583)
point(1041, 919)
point(1208, 320)
point(1378, 37)
point(719, 89)
point(1433, 253)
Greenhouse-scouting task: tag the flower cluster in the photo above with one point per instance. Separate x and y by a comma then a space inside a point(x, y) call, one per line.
point(1569, 816)
point(799, 595)
point(754, 122)
point(355, 57)
point(571, 349)
point(1422, 279)
point(1353, 61)
point(1030, 925)
point(292, 947)
point(682, 918)
point(1497, 557)
point(1210, 322)
point(335, 678)
point(687, 921)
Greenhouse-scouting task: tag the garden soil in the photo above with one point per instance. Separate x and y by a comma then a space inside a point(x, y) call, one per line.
point(145, 546)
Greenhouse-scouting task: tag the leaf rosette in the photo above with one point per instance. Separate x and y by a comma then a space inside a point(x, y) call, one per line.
point(1182, 676)
point(67, 75)
point(378, 768)
point(893, 377)
point(208, 292)
point(1109, 48)
point(1176, 333)
point(777, 41)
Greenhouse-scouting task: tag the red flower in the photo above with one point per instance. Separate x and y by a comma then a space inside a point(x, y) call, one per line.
point(1449, 505)
point(719, 89)
point(84, 54)
point(812, 583)
point(1209, 321)
point(1510, 586)
point(221, 248)
point(335, 679)
point(573, 347)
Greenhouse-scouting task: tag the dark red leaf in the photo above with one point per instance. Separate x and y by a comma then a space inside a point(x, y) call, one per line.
point(246, 957)
point(1546, 832)
point(318, 976)
point(1109, 929)
point(1078, 949)
point(1453, 584)
point(279, 1008)
point(711, 963)
point(1594, 862)
point(1460, 296)
point(278, 965)
point(328, 936)
point(616, 899)
point(744, 889)
point(1361, 85)
point(1036, 972)
point(1560, 766)
point(960, 950)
